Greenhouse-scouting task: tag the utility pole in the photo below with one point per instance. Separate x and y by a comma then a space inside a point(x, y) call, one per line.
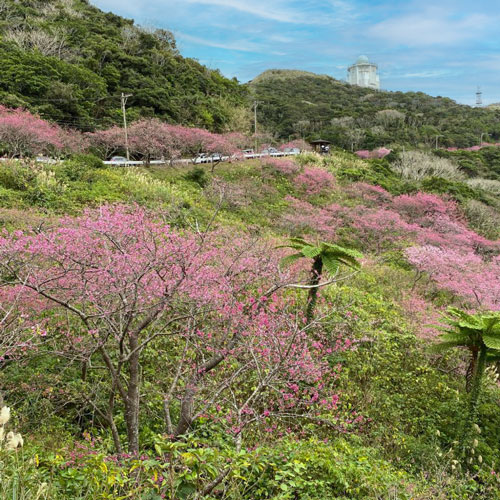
point(255, 104)
point(124, 103)
point(437, 139)
point(481, 138)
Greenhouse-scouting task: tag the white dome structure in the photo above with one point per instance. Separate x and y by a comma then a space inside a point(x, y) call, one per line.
point(364, 74)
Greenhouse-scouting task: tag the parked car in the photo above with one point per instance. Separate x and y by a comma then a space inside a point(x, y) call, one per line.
point(269, 151)
point(119, 159)
point(249, 153)
point(45, 159)
point(208, 158)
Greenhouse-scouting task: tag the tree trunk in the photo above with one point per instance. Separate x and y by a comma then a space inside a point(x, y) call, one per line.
point(475, 392)
point(186, 412)
point(110, 416)
point(471, 369)
point(132, 402)
point(312, 297)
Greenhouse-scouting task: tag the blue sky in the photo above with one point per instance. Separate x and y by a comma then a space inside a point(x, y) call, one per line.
point(441, 47)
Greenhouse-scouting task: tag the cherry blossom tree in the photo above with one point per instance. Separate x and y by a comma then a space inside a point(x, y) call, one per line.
point(152, 139)
point(25, 134)
point(314, 181)
point(296, 144)
point(107, 142)
point(228, 344)
point(464, 273)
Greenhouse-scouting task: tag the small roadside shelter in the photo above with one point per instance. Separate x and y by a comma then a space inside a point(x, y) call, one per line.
point(320, 146)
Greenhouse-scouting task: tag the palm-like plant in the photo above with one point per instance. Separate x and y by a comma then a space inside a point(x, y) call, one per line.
point(480, 334)
point(326, 257)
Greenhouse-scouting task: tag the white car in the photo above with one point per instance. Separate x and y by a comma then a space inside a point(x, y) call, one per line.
point(271, 152)
point(121, 160)
point(208, 158)
point(45, 159)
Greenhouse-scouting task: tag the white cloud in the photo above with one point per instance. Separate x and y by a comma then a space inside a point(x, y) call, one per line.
point(238, 45)
point(425, 74)
point(431, 27)
point(272, 10)
point(281, 38)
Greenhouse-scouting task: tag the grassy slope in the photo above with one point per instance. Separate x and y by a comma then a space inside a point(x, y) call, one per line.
point(405, 394)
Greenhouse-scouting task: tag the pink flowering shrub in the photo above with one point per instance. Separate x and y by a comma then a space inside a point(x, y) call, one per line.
point(368, 193)
point(381, 229)
point(364, 154)
point(303, 218)
point(439, 222)
point(421, 314)
point(417, 207)
point(379, 153)
point(314, 181)
point(281, 166)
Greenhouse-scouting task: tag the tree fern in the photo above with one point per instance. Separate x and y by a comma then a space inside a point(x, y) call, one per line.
point(480, 334)
point(327, 257)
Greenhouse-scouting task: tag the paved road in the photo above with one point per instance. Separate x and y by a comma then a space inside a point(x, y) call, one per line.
point(188, 161)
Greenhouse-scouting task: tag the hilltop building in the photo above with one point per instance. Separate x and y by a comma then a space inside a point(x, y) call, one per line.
point(364, 74)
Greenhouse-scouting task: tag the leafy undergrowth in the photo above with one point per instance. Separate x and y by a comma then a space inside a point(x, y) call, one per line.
point(393, 427)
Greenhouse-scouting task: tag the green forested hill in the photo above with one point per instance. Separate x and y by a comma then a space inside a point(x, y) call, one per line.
point(294, 103)
point(69, 61)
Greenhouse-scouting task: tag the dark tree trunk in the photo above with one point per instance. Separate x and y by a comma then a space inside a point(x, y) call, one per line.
point(471, 369)
point(312, 297)
point(132, 401)
point(471, 417)
point(186, 412)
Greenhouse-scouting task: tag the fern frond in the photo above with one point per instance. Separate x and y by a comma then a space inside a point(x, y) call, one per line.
point(290, 259)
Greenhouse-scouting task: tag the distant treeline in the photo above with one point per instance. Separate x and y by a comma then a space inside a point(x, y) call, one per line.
point(300, 104)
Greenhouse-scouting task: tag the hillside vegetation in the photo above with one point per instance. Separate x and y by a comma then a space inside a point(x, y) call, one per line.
point(311, 106)
point(350, 404)
point(69, 62)
point(322, 327)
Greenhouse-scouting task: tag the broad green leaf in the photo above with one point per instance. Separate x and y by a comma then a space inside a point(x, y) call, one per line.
point(331, 264)
point(491, 341)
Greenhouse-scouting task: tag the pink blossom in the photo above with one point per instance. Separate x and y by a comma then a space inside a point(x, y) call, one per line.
point(314, 181)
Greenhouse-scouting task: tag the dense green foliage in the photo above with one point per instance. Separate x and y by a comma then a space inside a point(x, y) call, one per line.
point(483, 163)
point(307, 105)
point(69, 62)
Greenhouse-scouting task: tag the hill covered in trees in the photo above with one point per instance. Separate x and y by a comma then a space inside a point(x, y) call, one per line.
point(300, 104)
point(69, 62)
